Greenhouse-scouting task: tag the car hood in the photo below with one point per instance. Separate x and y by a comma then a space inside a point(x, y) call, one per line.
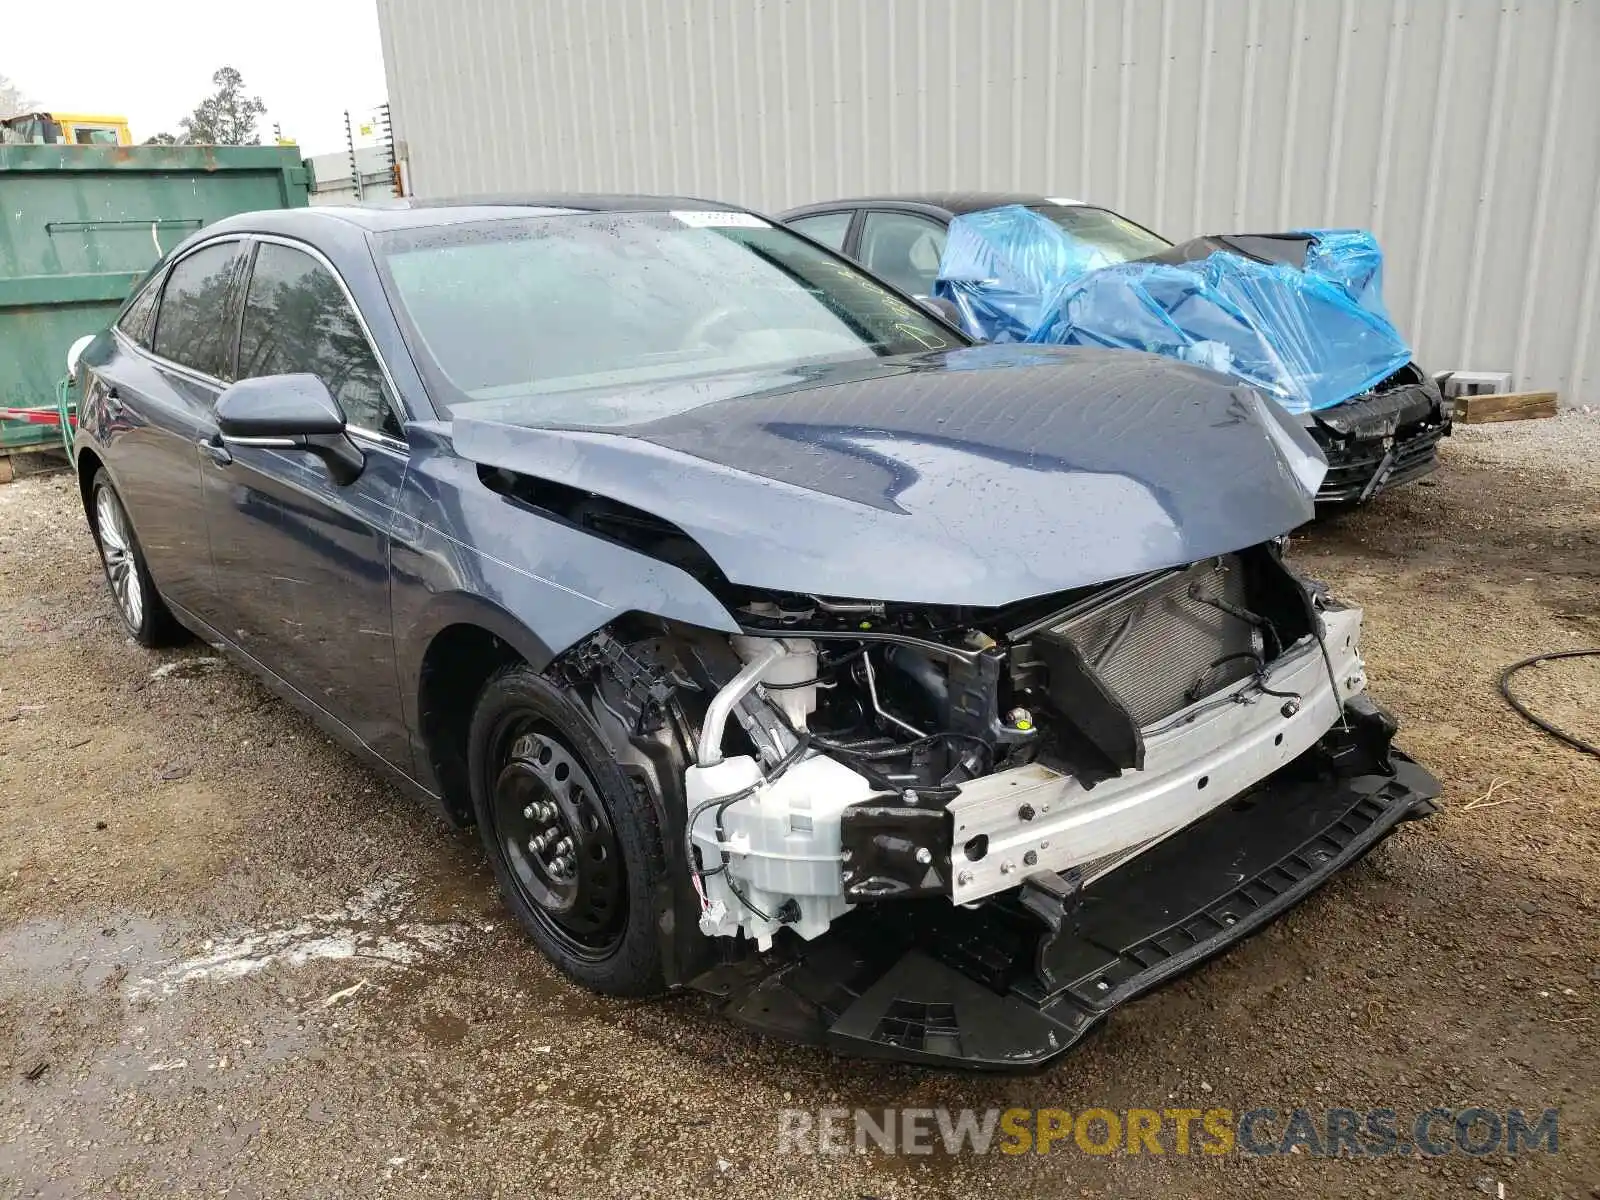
point(977, 476)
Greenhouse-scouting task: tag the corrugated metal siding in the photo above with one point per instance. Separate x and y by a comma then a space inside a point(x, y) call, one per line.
point(1466, 133)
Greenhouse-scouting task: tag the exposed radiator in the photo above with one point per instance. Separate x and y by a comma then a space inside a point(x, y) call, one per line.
point(1163, 646)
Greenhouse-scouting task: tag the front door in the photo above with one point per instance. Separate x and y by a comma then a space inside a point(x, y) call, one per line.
point(902, 247)
point(301, 561)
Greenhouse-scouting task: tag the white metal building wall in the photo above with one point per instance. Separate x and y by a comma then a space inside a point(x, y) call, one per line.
point(1466, 133)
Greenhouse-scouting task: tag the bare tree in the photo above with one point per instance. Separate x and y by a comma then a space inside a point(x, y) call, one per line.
point(12, 99)
point(227, 117)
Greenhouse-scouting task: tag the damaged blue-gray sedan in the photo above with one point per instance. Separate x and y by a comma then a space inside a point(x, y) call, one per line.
point(915, 698)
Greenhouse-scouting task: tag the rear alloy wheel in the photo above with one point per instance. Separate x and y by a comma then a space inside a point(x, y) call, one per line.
point(573, 842)
point(138, 603)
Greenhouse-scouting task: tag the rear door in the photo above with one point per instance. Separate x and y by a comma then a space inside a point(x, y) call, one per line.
point(302, 562)
point(169, 363)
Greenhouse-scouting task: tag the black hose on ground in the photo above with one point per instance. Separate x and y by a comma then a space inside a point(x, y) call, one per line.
point(1517, 706)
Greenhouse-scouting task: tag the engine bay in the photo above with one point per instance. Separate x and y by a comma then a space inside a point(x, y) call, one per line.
point(842, 751)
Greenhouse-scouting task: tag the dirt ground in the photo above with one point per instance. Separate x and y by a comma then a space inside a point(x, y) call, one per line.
point(234, 962)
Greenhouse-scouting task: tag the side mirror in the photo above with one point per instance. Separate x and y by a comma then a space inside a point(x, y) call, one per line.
point(942, 308)
point(289, 412)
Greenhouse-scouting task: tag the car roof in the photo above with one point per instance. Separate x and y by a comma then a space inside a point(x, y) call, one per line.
point(953, 203)
point(412, 212)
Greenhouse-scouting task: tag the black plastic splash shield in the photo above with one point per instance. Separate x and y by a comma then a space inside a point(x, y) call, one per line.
point(990, 989)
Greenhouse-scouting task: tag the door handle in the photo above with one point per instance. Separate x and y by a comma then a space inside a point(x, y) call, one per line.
point(114, 405)
point(215, 451)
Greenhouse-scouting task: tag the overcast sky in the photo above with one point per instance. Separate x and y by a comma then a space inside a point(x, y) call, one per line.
point(152, 60)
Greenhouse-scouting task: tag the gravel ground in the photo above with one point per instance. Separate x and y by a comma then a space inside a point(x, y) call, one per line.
point(234, 962)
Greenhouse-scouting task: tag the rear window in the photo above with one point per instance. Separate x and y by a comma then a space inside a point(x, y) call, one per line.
point(139, 320)
point(828, 228)
point(192, 326)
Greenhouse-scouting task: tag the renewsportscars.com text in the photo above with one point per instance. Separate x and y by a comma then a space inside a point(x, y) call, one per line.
point(1261, 1131)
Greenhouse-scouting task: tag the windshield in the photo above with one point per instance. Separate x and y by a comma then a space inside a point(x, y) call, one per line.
point(524, 306)
point(1117, 237)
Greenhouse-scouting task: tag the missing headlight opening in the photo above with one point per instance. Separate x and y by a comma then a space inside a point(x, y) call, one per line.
point(850, 751)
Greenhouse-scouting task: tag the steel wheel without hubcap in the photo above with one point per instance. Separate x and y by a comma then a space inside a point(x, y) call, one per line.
point(558, 841)
point(116, 549)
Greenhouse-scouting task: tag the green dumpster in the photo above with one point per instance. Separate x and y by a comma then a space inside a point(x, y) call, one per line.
point(79, 226)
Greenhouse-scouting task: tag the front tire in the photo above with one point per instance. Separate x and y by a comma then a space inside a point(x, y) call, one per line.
point(148, 619)
point(574, 843)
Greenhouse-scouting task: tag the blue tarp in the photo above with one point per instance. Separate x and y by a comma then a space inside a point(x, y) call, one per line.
point(1310, 338)
point(1000, 266)
point(1350, 258)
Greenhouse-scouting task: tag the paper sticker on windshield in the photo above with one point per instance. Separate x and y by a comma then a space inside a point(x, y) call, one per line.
point(721, 220)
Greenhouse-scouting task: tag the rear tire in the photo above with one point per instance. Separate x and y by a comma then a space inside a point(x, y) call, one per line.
point(145, 614)
point(574, 843)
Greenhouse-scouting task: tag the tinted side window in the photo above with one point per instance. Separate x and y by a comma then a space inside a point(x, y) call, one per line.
point(827, 228)
point(904, 249)
point(192, 326)
point(296, 320)
point(140, 319)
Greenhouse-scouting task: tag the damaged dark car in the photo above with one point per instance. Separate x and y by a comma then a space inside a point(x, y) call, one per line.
point(911, 697)
point(1377, 428)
